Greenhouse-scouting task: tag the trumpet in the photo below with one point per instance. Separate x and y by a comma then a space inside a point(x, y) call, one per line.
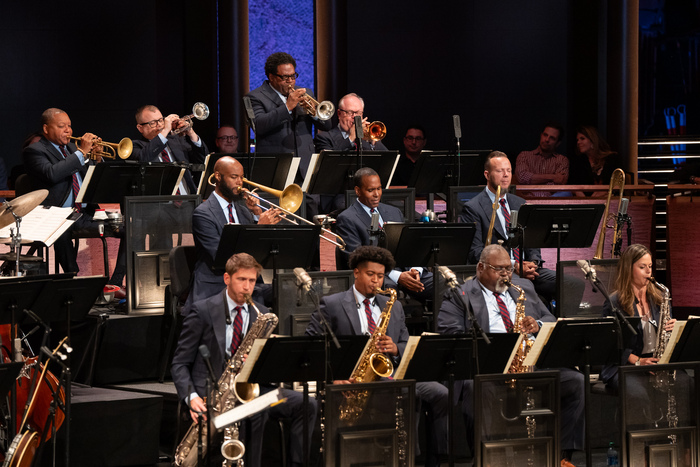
point(200, 111)
point(617, 180)
point(109, 150)
point(290, 201)
point(375, 131)
point(323, 110)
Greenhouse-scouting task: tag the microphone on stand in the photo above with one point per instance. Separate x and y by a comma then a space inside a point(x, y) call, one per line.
point(359, 133)
point(303, 279)
point(206, 355)
point(457, 127)
point(449, 276)
point(249, 112)
point(587, 269)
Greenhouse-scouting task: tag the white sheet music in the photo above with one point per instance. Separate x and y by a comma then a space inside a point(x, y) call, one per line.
point(202, 182)
point(310, 172)
point(86, 183)
point(43, 224)
point(293, 168)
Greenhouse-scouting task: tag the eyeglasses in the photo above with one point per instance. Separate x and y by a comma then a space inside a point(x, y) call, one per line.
point(227, 138)
point(414, 138)
point(351, 113)
point(287, 77)
point(501, 269)
point(153, 123)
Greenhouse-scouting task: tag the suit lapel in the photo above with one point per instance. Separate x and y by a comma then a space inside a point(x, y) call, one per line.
point(350, 309)
point(487, 206)
point(219, 322)
point(481, 311)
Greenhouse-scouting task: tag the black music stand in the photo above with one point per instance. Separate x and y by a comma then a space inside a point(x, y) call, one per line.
point(110, 182)
point(334, 170)
point(581, 342)
point(302, 359)
point(687, 349)
point(425, 244)
point(455, 357)
point(435, 171)
point(269, 169)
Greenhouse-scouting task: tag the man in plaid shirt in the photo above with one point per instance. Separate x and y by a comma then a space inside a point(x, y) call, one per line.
point(543, 166)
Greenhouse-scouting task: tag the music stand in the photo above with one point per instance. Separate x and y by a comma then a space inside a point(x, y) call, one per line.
point(582, 343)
point(424, 244)
point(333, 171)
point(435, 171)
point(301, 359)
point(687, 349)
point(110, 182)
point(269, 169)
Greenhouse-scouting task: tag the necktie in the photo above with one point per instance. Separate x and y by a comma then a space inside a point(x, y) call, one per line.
point(370, 321)
point(372, 211)
point(165, 157)
point(506, 216)
point(505, 315)
point(237, 330)
point(76, 184)
point(231, 219)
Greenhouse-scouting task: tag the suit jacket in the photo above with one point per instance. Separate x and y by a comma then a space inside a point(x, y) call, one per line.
point(479, 210)
point(48, 169)
point(340, 310)
point(181, 148)
point(453, 320)
point(208, 221)
point(335, 141)
point(205, 324)
point(278, 130)
point(353, 224)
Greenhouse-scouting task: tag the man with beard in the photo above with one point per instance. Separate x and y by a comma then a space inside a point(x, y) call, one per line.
point(224, 206)
point(494, 303)
point(543, 165)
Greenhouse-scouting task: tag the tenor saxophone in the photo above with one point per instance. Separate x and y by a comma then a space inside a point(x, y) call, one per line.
point(371, 365)
point(526, 344)
point(230, 392)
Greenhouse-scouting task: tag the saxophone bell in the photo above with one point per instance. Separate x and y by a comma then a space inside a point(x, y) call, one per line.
point(245, 392)
point(232, 449)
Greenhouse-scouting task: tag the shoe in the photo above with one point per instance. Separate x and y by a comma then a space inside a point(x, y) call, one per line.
point(566, 463)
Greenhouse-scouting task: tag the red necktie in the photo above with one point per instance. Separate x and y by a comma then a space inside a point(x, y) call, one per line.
point(370, 321)
point(506, 216)
point(237, 330)
point(76, 183)
point(505, 315)
point(231, 219)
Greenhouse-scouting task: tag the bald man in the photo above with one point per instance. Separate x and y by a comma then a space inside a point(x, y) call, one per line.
point(224, 206)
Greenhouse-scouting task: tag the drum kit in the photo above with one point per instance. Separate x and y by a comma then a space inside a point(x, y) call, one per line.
point(13, 211)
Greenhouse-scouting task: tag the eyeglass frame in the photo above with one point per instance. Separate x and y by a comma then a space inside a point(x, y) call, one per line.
point(500, 269)
point(352, 113)
point(153, 123)
point(287, 77)
point(227, 137)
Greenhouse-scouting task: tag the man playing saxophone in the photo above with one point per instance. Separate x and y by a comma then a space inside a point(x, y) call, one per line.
point(221, 322)
point(494, 305)
point(358, 310)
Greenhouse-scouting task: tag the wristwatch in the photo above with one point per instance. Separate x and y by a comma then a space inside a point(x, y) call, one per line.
point(638, 362)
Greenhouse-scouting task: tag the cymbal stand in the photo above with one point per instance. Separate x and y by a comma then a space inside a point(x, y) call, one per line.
point(16, 239)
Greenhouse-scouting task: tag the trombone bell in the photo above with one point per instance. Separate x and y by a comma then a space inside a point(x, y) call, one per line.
point(290, 198)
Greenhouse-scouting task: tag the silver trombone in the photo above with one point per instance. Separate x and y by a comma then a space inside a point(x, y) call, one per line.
point(290, 201)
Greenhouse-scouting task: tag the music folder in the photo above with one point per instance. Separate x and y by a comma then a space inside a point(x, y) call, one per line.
point(249, 409)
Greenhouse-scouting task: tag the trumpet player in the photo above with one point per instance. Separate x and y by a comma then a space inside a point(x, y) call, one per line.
point(343, 136)
point(57, 165)
point(282, 125)
point(158, 145)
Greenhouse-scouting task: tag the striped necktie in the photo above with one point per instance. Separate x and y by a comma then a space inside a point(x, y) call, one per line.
point(76, 183)
point(503, 310)
point(237, 330)
point(371, 326)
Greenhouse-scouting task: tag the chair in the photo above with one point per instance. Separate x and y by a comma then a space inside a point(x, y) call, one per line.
point(182, 260)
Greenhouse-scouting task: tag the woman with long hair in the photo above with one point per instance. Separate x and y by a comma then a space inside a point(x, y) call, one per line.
point(594, 162)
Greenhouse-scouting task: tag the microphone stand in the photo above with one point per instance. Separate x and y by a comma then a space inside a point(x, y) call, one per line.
point(619, 316)
point(359, 133)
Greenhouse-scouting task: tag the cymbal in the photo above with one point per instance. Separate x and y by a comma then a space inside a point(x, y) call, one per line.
point(22, 258)
point(8, 241)
point(21, 206)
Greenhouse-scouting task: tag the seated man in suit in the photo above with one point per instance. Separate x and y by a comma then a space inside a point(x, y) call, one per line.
point(353, 226)
point(57, 165)
point(224, 206)
point(221, 322)
point(347, 317)
point(494, 305)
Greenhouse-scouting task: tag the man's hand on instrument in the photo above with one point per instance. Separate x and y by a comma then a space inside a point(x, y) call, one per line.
point(86, 143)
point(252, 204)
point(271, 216)
point(294, 97)
point(386, 345)
point(411, 280)
point(529, 325)
point(197, 405)
point(169, 124)
point(529, 270)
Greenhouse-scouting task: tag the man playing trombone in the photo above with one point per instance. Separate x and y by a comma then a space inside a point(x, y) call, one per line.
point(57, 165)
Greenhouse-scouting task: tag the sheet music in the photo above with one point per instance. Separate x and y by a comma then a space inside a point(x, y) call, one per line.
point(253, 356)
point(540, 341)
point(393, 169)
point(43, 224)
point(515, 352)
point(249, 408)
point(293, 169)
point(86, 183)
point(310, 172)
point(202, 180)
point(672, 341)
point(179, 180)
point(408, 352)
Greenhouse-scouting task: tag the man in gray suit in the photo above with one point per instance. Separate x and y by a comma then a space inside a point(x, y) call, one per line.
point(494, 304)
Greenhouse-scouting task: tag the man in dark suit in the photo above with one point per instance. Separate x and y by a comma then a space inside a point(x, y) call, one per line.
point(224, 206)
point(347, 316)
point(57, 165)
point(220, 322)
point(489, 297)
point(281, 124)
point(479, 209)
point(353, 226)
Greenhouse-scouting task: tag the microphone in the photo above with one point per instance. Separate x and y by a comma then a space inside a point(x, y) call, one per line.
point(303, 279)
point(513, 220)
point(206, 355)
point(449, 276)
point(359, 133)
point(624, 203)
point(249, 111)
point(457, 126)
point(587, 269)
point(374, 222)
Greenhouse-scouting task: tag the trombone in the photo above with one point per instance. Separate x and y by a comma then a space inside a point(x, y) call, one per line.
point(617, 180)
point(200, 111)
point(290, 201)
point(109, 150)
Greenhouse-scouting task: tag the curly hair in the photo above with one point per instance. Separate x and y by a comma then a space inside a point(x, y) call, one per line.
point(277, 59)
point(623, 283)
point(373, 254)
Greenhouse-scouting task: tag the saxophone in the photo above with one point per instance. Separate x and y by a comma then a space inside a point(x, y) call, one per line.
point(372, 365)
point(230, 392)
point(526, 344)
point(662, 336)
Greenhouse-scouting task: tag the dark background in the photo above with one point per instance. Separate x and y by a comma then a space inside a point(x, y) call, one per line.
point(505, 67)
